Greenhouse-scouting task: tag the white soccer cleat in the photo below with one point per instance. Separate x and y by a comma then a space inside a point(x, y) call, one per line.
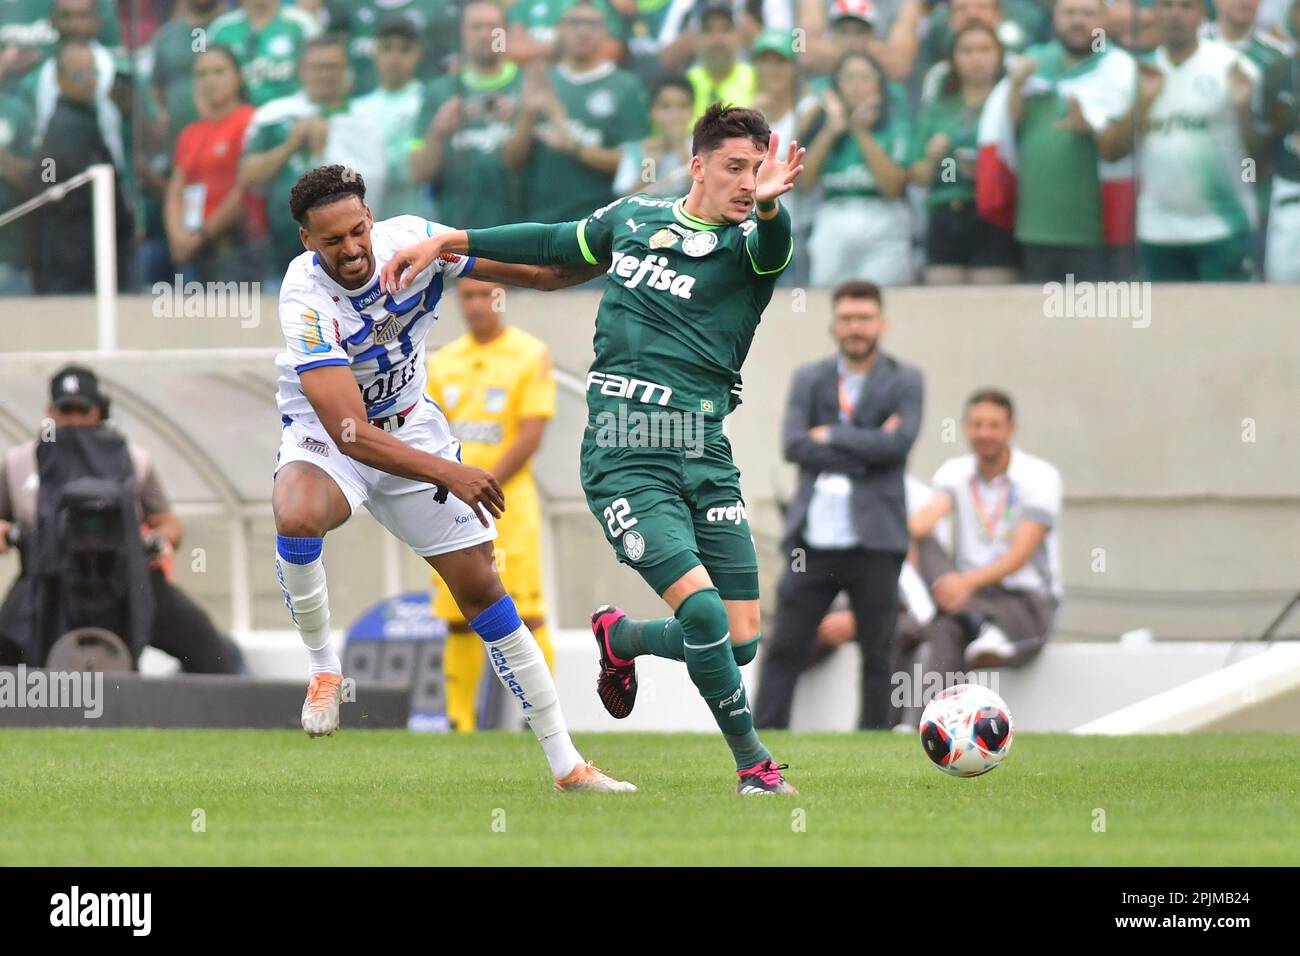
point(320, 711)
point(991, 649)
point(588, 778)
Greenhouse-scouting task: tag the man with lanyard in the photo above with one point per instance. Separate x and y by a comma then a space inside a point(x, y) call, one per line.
point(850, 422)
point(998, 593)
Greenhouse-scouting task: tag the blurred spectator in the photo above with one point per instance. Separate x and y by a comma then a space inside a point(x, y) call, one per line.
point(850, 422)
point(436, 25)
point(180, 627)
point(533, 31)
point(718, 75)
point(1132, 25)
point(172, 78)
point(29, 35)
point(889, 31)
point(215, 226)
point(857, 145)
point(961, 246)
point(466, 120)
point(1018, 24)
point(777, 89)
point(678, 41)
point(315, 127)
point(268, 38)
point(660, 164)
point(997, 595)
point(1053, 121)
point(78, 21)
point(643, 26)
point(1234, 26)
point(397, 105)
point(575, 118)
point(17, 163)
point(72, 143)
point(1281, 143)
point(1196, 209)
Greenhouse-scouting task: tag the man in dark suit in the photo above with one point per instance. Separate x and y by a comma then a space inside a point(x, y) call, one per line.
point(850, 422)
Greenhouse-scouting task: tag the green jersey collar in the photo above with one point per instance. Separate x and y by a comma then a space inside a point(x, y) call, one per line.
point(686, 219)
point(483, 83)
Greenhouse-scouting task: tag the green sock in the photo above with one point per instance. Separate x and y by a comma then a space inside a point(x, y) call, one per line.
point(661, 637)
point(716, 675)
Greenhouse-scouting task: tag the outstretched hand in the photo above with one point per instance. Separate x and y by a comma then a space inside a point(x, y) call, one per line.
point(408, 262)
point(776, 176)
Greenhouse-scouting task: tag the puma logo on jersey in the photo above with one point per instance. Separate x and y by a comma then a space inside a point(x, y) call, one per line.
point(634, 225)
point(651, 270)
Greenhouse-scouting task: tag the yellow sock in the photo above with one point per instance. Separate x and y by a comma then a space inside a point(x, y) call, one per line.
point(462, 664)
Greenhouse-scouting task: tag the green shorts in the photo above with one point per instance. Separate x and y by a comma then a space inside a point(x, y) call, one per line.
point(665, 510)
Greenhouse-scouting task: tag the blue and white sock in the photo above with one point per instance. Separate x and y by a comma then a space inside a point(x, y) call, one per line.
point(519, 664)
point(301, 572)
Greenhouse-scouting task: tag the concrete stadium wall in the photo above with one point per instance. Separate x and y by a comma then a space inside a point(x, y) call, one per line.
point(1175, 430)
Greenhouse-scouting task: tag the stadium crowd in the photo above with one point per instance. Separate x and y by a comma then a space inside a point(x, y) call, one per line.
point(961, 141)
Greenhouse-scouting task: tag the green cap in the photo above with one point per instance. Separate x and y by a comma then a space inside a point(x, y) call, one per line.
point(775, 40)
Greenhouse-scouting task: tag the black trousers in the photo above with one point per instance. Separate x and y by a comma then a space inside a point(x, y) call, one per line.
point(804, 594)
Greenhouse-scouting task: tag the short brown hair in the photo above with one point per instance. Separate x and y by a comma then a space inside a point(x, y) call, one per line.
point(721, 123)
point(992, 396)
point(858, 289)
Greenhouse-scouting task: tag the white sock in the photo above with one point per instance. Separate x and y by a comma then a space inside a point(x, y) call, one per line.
point(521, 667)
point(307, 598)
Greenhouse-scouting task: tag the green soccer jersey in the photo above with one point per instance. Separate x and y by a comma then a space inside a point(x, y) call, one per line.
point(474, 188)
point(437, 23)
point(541, 17)
point(173, 70)
point(1047, 213)
point(1281, 98)
point(268, 57)
point(17, 132)
point(846, 173)
point(606, 107)
point(682, 300)
point(955, 175)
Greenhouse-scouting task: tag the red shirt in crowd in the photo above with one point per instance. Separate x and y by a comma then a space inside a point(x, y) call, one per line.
point(208, 152)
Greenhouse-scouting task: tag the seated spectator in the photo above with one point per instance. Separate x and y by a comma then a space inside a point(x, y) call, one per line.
point(180, 627)
point(862, 26)
point(397, 103)
point(996, 596)
point(318, 126)
point(1235, 26)
point(719, 75)
point(17, 163)
point(269, 38)
point(1281, 142)
point(850, 422)
point(466, 121)
point(857, 145)
point(576, 116)
point(74, 142)
point(660, 164)
point(1054, 120)
point(961, 246)
point(1017, 23)
point(215, 226)
point(1197, 213)
point(173, 55)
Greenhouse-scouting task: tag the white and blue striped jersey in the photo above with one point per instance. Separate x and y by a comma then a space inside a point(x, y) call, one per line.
point(380, 337)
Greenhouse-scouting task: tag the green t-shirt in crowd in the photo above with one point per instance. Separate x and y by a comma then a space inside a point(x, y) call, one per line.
point(397, 112)
point(269, 56)
point(955, 174)
point(173, 70)
point(606, 107)
point(541, 17)
point(437, 23)
point(1059, 191)
point(474, 189)
point(1281, 98)
point(846, 174)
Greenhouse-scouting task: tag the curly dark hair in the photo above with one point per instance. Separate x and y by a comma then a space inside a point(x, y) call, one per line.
point(322, 186)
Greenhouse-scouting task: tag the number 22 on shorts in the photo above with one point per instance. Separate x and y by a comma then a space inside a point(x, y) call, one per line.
point(620, 513)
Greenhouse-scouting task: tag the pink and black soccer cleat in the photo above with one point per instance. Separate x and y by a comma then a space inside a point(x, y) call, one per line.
point(616, 685)
point(762, 779)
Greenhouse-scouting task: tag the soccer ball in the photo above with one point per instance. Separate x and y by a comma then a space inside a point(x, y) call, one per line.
point(966, 730)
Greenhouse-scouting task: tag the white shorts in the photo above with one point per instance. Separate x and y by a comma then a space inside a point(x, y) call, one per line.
point(407, 508)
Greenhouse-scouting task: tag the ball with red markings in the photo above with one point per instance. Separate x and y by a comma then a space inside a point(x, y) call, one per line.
point(966, 730)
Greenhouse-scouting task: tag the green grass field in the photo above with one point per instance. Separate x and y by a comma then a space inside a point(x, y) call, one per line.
point(129, 797)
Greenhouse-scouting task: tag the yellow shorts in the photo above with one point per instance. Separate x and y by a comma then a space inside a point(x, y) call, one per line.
point(518, 550)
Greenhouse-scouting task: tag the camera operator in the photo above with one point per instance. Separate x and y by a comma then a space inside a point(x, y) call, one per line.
point(180, 627)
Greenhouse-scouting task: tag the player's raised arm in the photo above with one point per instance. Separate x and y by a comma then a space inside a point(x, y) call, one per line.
point(545, 278)
point(770, 245)
point(332, 392)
